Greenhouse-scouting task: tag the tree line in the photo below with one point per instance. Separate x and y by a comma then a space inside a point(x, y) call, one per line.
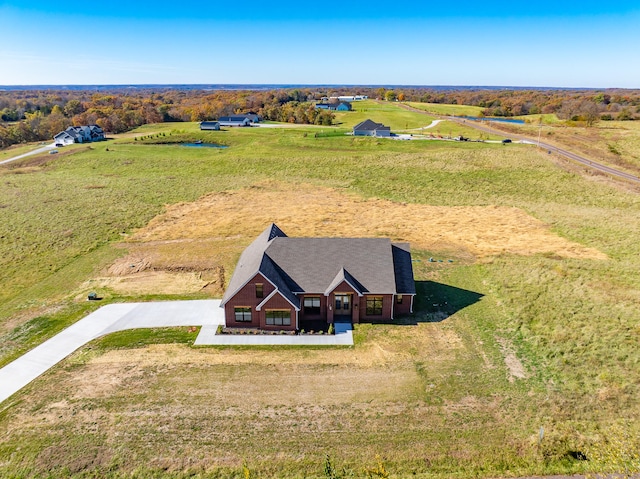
point(39, 115)
point(583, 105)
point(33, 115)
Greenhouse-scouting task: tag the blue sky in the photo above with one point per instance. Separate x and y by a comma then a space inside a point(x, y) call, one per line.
point(544, 43)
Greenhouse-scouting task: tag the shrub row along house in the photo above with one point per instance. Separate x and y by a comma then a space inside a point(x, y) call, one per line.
point(79, 134)
point(283, 283)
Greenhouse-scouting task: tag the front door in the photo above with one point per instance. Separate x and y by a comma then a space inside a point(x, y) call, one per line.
point(343, 305)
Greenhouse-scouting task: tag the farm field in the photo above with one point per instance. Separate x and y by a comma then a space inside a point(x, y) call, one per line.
point(446, 110)
point(528, 310)
point(404, 121)
point(615, 143)
point(17, 150)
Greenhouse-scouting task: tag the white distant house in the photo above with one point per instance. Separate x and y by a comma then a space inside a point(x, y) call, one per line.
point(209, 125)
point(79, 134)
point(371, 128)
point(349, 98)
point(245, 119)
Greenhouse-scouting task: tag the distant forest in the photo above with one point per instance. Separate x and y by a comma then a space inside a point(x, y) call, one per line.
point(37, 115)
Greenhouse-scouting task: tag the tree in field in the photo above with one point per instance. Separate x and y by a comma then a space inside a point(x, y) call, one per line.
point(589, 112)
point(390, 95)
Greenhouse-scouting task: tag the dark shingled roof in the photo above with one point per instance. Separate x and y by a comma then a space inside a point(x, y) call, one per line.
point(319, 265)
point(313, 263)
point(369, 125)
point(403, 268)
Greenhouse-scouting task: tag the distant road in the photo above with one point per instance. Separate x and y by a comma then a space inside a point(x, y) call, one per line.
point(33, 152)
point(532, 141)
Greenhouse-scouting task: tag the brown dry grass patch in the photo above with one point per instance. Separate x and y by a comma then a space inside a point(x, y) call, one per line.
point(310, 210)
point(207, 236)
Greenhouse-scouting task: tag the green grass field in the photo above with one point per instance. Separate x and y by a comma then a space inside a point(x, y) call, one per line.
point(431, 399)
point(382, 112)
point(403, 121)
point(447, 110)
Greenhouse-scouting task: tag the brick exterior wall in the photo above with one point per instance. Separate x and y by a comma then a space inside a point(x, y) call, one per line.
point(404, 308)
point(246, 297)
point(323, 307)
point(387, 305)
point(355, 306)
point(277, 302)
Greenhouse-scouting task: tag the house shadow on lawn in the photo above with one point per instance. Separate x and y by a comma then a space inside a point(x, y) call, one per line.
point(435, 302)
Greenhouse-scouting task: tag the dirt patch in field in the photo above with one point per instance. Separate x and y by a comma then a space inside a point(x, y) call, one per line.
point(310, 210)
point(207, 236)
point(426, 339)
point(514, 365)
point(148, 282)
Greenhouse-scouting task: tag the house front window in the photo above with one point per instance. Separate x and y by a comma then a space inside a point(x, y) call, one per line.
point(374, 306)
point(398, 299)
point(259, 290)
point(278, 317)
point(243, 314)
point(311, 306)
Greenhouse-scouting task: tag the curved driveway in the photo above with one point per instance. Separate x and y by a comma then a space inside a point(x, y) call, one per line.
point(108, 319)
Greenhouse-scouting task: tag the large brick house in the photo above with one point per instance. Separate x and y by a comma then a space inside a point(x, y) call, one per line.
point(283, 283)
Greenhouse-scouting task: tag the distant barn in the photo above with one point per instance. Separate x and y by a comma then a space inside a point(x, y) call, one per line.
point(235, 120)
point(209, 125)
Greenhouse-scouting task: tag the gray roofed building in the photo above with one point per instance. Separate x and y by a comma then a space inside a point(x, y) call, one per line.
point(235, 120)
point(320, 279)
point(80, 134)
point(371, 128)
point(209, 125)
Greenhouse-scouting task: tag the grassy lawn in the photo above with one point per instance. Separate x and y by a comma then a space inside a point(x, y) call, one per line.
point(387, 113)
point(615, 143)
point(403, 121)
point(17, 150)
point(505, 341)
point(447, 110)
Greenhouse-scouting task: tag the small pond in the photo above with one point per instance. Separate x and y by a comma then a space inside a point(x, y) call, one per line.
point(203, 145)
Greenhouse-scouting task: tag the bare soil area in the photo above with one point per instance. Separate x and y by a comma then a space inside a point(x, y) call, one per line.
point(195, 245)
point(309, 210)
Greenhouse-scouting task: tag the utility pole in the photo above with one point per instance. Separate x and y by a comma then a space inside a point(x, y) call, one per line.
point(539, 130)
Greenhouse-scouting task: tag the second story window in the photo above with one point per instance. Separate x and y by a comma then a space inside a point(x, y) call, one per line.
point(259, 290)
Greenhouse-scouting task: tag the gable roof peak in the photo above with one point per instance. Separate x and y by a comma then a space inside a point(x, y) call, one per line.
point(275, 232)
point(344, 276)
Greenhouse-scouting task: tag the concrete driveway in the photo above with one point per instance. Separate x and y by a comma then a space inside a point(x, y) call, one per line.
point(108, 319)
point(122, 316)
point(33, 152)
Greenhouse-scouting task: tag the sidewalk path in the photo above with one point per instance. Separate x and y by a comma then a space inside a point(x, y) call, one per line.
point(208, 337)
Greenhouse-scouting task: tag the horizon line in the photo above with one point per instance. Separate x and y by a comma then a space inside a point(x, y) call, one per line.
point(256, 86)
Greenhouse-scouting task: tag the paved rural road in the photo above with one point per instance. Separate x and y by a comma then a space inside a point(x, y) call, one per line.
point(531, 141)
point(108, 319)
point(34, 152)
